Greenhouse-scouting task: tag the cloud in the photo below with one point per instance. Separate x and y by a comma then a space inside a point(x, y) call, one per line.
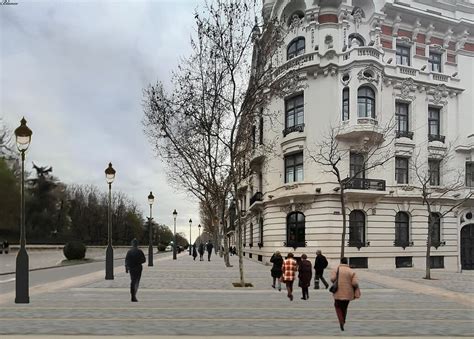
point(76, 71)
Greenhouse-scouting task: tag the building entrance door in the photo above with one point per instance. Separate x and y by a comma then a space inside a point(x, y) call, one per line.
point(467, 247)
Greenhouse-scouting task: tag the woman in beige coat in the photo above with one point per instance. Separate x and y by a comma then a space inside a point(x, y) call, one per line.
point(347, 290)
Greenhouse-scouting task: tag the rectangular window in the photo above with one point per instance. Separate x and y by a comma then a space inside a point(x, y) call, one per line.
point(345, 104)
point(401, 262)
point(470, 173)
point(436, 262)
point(434, 121)
point(401, 170)
point(433, 172)
point(360, 262)
point(401, 117)
point(357, 166)
point(294, 168)
point(435, 62)
point(254, 136)
point(294, 111)
point(403, 55)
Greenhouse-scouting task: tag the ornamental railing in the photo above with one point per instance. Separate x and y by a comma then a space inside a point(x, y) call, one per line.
point(436, 137)
point(364, 184)
point(291, 129)
point(256, 197)
point(405, 134)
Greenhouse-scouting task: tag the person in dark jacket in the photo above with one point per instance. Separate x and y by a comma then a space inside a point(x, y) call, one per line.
point(201, 251)
point(133, 264)
point(209, 247)
point(194, 252)
point(6, 246)
point(276, 271)
point(305, 274)
point(320, 263)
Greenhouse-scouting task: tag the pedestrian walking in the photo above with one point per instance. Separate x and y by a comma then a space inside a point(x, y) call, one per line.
point(194, 251)
point(209, 247)
point(305, 273)
point(133, 264)
point(320, 263)
point(201, 251)
point(289, 269)
point(276, 270)
point(347, 289)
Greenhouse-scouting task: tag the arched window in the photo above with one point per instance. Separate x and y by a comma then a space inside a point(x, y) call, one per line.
point(251, 235)
point(295, 48)
point(356, 40)
point(366, 102)
point(345, 104)
point(357, 228)
point(435, 233)
point(402, 224)
point(295, 229)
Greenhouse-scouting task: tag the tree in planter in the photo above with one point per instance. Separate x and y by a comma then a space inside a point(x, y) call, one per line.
point(206, 122)
point(374, 151)
point(442, 189)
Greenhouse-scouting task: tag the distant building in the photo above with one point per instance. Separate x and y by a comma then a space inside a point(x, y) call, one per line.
point(364, 63)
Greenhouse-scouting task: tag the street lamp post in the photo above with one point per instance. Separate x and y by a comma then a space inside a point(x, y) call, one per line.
point(109, 253)
point(190, 222)
point(151, 199)
point(199, 227)
point(22, 296)
point(175, 214)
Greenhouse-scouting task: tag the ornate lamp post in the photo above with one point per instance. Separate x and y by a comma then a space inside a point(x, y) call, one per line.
point(151, 199)
point(190, 222)
point(175, 214)
point(109, 253)
point(23, 139)
point(199, 227)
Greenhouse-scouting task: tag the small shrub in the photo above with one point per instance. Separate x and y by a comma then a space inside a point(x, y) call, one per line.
point(161, 247)
point(74, 250)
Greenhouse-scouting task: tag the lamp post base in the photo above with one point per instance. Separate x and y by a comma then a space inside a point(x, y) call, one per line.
point(22, 277)
point(109, 263)
point(150, 255)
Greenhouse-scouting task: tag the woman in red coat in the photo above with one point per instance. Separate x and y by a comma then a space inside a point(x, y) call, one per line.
point(305, 274)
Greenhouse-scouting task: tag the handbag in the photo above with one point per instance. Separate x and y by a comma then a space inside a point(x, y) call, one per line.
point(333, 288)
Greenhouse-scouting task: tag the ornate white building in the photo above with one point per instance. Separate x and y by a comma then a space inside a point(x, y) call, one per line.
point(366, 63)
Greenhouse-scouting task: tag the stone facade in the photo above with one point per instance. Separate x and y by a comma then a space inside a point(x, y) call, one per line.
point(349, 45)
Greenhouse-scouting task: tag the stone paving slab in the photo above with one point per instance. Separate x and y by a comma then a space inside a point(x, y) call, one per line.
point(204, 302)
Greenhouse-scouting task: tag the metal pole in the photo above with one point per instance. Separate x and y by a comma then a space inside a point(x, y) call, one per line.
point(109, 254)
point(22, 260)
point(190, 238)
point(174, 240)
point(150, 246)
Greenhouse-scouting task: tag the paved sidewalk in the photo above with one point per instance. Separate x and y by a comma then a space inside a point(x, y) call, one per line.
point(186, 297)
point(41, 257)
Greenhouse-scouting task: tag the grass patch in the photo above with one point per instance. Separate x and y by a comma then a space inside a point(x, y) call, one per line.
point(240, 285)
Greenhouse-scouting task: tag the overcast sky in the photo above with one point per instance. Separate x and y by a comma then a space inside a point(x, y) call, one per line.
point(76, 70)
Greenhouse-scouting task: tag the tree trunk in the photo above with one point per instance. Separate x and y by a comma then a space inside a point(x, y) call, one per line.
point(428, 243)
point(239, 237)
point(226, 243)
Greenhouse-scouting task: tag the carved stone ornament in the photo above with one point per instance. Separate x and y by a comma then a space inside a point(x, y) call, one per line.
point(406, 88)
point(439, 95)
point(291, 187)
point(286, 209)
point(301, 207)
point(375, 78)
point(358, 15)
point(295, 22)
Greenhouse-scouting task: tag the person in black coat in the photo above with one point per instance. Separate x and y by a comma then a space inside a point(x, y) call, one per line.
point(133, 264)
point(201, 251)
point(194, 252)
point(276, 271)
point(320, 263)
point(304, 275)
point(209, 248)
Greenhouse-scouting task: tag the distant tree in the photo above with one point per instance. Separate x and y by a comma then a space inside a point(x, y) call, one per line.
point(9, 200)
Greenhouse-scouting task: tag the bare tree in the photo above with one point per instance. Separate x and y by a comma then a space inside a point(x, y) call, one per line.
point(441, 194)
point(331, 152)
point(205, 124)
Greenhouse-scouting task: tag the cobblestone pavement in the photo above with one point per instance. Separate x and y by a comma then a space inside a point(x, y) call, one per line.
point(186, 297)
point(452, 281)
point(51, 257)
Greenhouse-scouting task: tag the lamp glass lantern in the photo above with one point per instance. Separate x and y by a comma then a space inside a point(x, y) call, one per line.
point(110, 174)
point(151, 198)
point(23, 136)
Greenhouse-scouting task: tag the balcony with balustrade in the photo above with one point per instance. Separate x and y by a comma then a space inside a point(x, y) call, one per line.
point(360, 129)
point(363, 188)
point(256, 201)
